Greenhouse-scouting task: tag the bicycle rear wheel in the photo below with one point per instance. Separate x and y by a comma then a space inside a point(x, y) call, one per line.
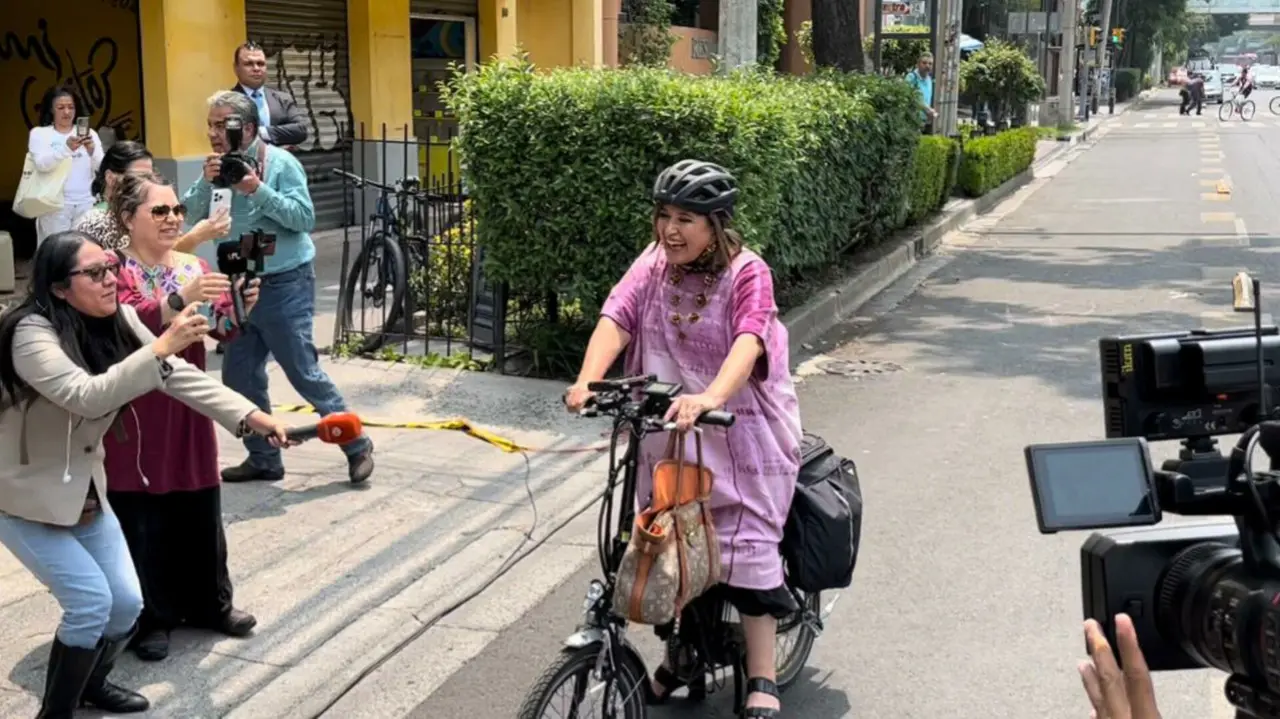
point(1274, 106)
point(378, 303)
point(1247, 110)
point(795, 641)
point(585, 697)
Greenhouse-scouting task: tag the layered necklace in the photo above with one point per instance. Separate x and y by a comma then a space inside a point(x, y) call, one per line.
point(701, 266)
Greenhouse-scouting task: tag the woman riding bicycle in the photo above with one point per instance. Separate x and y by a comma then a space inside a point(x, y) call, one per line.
point(697, 308)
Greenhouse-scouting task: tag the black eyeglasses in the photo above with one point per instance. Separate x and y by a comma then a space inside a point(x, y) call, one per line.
point(97, 273)
point(162, 211)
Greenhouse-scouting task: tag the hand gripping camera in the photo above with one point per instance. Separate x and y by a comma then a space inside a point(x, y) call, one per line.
point(1200, 595)
point(235, 164)
point(234, 260)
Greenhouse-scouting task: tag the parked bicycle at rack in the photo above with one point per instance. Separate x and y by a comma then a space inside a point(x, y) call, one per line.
point(601, 672)
point(378, 279)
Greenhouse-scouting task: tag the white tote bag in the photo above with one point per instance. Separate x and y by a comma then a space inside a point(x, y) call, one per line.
point(40, 193)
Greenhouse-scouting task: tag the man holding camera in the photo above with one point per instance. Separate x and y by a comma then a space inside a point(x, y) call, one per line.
point(270, 196)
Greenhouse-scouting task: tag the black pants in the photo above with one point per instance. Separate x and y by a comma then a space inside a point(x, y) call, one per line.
point(1188, 102)
point(179, 548)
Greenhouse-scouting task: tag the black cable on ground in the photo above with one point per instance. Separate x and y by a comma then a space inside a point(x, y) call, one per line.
point(516, 556)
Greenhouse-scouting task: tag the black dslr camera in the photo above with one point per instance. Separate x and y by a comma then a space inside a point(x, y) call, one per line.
point(1200, 595)
point(235, 164)
point(244, 259)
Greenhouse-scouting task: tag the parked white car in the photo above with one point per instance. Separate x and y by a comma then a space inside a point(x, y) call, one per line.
point(1266, 75)
point(1212, 86)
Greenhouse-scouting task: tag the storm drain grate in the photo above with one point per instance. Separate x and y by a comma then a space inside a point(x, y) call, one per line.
point(858, 368)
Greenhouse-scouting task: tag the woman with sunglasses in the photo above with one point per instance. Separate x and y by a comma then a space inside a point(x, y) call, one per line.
point(162, 469)
point(70, 357)
point(101, 226)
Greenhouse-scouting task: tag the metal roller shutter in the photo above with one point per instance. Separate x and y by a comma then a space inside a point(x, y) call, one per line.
point(468, 8)
point(306, 46)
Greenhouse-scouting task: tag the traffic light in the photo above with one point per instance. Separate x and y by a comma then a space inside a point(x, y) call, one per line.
point(1094, 32)
point(1117, 36)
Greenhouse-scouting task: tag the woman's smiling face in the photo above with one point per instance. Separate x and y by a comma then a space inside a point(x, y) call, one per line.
point(684, 235)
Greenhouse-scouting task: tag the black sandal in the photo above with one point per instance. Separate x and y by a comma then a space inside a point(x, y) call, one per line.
point(668, 681)
point(760, 685)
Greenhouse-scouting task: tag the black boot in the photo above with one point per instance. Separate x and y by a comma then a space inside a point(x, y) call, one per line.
point(104, 695)
point(69, 670)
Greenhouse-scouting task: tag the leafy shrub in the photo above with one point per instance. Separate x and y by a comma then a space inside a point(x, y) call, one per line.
point(1003, 77)
point(898, 56)
point(1128, 82)
point(929, 175)
point(988, 162)
point(560, 164)
point(440, 281)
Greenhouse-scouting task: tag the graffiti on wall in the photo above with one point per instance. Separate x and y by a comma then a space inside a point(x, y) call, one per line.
point(310, 73)
point(93, 51)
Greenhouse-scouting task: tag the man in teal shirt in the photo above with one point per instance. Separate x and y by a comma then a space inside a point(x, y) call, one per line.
point(272, 198)
point(921, 78)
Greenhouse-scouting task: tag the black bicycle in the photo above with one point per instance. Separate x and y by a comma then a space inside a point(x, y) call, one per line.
point(392, 243)
point(599, 669)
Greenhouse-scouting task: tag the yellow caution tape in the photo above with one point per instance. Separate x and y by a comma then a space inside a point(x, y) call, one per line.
point(457, 424)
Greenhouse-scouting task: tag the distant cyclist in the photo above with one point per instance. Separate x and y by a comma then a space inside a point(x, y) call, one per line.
point(1244, 82)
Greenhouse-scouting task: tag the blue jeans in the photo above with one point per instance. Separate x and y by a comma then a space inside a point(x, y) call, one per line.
point(280, 326)
point(87, 569)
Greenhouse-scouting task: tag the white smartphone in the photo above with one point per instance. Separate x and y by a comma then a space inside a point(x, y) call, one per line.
point(82, 127)
point(220, 201)
point(206, 309)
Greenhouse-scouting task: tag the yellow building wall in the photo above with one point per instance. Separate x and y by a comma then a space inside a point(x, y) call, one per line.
point(187, 50)
point(545, 31)
point(93, 50)
point(381, 66)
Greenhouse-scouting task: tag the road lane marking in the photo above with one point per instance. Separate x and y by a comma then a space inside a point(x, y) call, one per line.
point(1142, 125)
point(1207, 217)
point(1214, 197)
point(1169, 125)
point(1198, 123)
point(1241, 231)
point(1209, 183)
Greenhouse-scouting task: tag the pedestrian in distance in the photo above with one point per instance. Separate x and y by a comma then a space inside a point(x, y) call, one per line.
point(63, 135)
point(70, 358)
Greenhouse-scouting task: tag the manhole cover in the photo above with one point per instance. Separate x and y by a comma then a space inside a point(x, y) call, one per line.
point(857, 368)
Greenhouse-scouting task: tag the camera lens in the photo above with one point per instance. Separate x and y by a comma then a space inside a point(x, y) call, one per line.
point(1221, 614)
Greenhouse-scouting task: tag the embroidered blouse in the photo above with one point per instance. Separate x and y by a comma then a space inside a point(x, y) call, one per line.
point(158, 444)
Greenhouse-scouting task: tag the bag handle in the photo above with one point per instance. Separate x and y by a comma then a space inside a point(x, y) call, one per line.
point(676, 450)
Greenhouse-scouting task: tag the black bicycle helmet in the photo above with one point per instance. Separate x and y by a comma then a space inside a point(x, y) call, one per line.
point(701, 187)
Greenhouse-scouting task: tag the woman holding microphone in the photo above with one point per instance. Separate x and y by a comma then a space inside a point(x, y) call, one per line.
point(70, 357)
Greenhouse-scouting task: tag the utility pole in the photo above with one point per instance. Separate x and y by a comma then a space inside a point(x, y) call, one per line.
point(947, 64)
point(737, 33)
point(1104, 42)
point(1068, 15)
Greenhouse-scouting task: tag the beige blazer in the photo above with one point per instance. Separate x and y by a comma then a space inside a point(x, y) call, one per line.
point(51, 449)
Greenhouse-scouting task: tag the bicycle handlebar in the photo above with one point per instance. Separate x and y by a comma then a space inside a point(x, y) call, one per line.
point(400, 189)
point(613, 397)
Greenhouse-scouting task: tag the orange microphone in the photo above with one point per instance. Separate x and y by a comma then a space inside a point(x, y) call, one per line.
point(336, 428)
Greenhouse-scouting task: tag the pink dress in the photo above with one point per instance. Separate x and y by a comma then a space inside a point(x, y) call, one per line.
point(755, 462)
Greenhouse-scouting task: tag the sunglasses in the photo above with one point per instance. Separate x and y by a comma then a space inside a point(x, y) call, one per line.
point(160, 212)
point(97, 273)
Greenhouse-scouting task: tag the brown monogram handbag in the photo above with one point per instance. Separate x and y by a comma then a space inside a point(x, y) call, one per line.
point(673, 555)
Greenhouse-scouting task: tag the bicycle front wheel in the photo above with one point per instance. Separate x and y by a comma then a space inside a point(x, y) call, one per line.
point(568, 689)
point(1247, 110)
point(1274, 106)
point(373, 294)
point(1225, 110)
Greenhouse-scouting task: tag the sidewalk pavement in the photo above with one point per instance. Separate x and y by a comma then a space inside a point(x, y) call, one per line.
point(339, 576)
point(1047, 149)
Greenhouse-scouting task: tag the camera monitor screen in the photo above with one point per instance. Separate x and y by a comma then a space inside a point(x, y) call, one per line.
point(1092, 485)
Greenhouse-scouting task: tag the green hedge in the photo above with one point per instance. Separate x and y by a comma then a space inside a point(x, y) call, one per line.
point(931, 172)
point(1128, 83)
point(560, 164)
point(988, 162)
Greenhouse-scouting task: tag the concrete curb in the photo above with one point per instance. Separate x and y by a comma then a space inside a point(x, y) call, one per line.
point(885, 264)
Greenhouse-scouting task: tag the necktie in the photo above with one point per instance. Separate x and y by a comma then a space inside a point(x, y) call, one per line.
point(264, 115)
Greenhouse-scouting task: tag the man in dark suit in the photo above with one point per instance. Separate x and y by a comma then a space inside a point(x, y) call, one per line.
point(283, 124)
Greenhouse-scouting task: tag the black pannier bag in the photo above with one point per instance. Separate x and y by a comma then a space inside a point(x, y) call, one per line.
point(820, 541)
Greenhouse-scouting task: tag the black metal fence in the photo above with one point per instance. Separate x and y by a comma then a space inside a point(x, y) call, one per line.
point(413, 283)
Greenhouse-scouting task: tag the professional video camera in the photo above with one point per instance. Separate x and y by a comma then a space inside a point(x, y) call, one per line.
point(234, 259)
point(235, 164)
point(1200, 595)
point(1191, 386)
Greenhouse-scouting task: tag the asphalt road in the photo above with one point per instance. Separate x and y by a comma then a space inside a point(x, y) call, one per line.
point(960, 608)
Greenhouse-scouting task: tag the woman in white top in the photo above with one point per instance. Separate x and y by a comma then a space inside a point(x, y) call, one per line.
point(56, 140)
